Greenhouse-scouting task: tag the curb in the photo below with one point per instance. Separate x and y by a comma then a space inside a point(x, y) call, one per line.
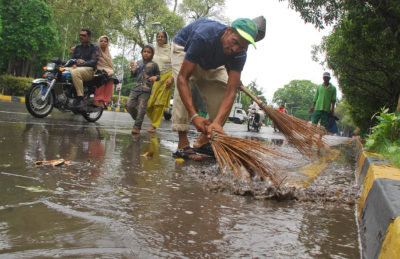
point(12, 98)
point(378, 210)
point(17, 99)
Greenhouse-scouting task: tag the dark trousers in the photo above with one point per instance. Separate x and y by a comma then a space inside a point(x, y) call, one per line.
point(137, 105)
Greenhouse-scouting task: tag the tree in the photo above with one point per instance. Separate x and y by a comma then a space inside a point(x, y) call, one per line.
point(367, 69)
point(345, 123)
point(363, 51)
point(246, 101)
point(28, 35)
point(297, 96)
point(192, 10)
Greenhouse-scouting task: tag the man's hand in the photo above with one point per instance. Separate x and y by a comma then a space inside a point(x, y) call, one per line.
point(80, 61)
point(331, 112)
point(312, 109)
point(201, 124)
point(214, 126)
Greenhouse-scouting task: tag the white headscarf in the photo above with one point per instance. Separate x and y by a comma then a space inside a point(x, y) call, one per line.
point(105, 60)
point(162, 56)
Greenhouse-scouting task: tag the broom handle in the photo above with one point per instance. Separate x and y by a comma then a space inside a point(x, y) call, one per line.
point(247, 91)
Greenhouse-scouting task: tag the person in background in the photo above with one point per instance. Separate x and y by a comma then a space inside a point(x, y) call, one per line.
point(87, 55)
point(103, 93)
point(324, 101)
point(146, 72)
point(281, 109)
point(161, 92)
point(259, 113)
point(212, 55)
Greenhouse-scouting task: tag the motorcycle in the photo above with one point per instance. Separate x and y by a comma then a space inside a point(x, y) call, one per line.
point(56, 89)
point(254, 121)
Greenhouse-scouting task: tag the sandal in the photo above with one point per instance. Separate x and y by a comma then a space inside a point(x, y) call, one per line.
point(205, 149)
point(188, 153)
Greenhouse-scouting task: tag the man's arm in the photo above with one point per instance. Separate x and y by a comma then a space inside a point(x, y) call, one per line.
point(94, 57)
point(314, 101)
point(230, 93)
point(186, 96)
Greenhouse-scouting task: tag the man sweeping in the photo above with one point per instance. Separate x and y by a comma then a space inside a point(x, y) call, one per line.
point(211, 55)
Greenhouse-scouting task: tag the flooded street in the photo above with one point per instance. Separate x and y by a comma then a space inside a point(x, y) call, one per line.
point(124, 196)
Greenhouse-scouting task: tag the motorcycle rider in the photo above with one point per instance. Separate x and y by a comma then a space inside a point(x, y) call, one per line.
point(87, 54)
point(259, 113)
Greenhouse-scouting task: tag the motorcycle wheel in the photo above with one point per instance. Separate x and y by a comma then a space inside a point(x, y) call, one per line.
point(248, 125)
point(258, 128)
point(34, 103)
point(92, 116)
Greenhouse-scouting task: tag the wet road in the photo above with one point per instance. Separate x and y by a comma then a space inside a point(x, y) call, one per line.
point(112, 201)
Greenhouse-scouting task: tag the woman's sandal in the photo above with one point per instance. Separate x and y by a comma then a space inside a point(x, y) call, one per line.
point(188, 153)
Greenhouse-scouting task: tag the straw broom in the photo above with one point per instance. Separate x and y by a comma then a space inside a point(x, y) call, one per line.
point(306, 137)
point(246, 158)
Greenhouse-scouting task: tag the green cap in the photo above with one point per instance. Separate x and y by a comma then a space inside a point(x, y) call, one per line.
point(246, 28)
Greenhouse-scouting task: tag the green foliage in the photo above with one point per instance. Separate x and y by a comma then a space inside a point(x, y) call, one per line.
point(345, 122)
point(14, 86)
point(302, 114)
point(368, 69)
point(192, 10)
point(296, 96)
point(385, 136)
point(247, 101)
point(363, 50)
point(28, 35)
point(123, 100)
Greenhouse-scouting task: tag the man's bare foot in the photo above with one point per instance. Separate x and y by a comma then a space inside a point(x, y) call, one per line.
point(201, 140)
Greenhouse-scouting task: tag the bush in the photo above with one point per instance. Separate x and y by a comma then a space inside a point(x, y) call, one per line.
point(123, 101)
point(13, 85)
point(385, 137)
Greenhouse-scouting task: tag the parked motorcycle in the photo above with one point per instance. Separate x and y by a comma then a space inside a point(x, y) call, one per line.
point(56, 89)
point(254, 122)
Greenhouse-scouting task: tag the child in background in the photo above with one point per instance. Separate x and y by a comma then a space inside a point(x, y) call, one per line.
point(146, 72)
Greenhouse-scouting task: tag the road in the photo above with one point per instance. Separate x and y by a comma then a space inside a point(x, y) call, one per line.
point(113, 200)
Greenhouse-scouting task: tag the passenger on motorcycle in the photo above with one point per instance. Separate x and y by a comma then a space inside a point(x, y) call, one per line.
point(87, 55)
point(259, 113)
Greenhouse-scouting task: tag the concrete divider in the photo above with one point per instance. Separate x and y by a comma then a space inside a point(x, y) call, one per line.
point(378, 211)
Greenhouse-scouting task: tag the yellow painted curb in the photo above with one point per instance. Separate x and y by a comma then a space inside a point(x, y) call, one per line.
point(391, 244)
point(374, 172)
point(5, 98)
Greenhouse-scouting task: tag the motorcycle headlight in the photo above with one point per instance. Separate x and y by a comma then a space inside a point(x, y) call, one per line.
point(51, 66)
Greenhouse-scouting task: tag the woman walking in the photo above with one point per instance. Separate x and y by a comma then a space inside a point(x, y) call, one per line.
point(161, 92)
point(103, 93)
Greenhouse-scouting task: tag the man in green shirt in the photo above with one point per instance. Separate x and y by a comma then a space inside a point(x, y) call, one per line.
point(324, 101)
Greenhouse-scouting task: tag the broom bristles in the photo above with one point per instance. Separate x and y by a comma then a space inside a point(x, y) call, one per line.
point(306, 137)
point(246, 158)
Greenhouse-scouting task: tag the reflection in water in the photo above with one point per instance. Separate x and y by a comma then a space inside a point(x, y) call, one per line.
point(114, 202)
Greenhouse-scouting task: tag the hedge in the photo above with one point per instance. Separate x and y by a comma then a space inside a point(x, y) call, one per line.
point(123, 100)
point(13, 85)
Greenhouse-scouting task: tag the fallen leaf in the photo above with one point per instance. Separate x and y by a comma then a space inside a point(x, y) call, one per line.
point(179, 160)
point(56, 162)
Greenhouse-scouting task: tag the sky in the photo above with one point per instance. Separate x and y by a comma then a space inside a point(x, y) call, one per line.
point(285, 52)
